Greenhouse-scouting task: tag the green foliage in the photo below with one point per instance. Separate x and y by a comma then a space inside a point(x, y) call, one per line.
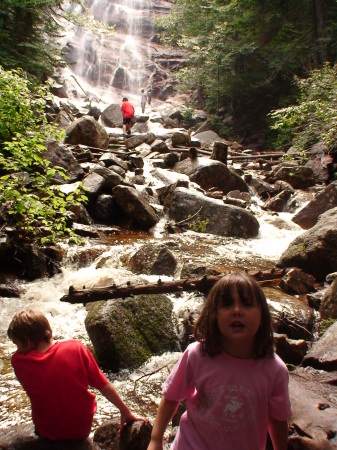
point(188, 113)
point(199, 226)
point(218, 126)
point(314, 118)
point(325, 324)
point(28, 198)
point(30, 32)
point(243, 55)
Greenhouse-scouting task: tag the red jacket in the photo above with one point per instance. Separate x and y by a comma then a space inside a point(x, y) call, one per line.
point(128, 110)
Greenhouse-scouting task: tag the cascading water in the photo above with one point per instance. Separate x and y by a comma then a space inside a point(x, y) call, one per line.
point(141, 392)
point(121, 64)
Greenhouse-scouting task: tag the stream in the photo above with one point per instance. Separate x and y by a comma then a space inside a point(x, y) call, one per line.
point(141, 388)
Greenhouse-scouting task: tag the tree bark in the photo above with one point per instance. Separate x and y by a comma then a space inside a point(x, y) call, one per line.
point(203, 284)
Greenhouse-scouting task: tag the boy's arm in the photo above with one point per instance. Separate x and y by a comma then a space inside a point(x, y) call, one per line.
point(278, 431)
point(112, 395)
point(166, 411)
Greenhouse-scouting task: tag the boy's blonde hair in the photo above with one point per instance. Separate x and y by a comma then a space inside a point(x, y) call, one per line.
point(30, 325)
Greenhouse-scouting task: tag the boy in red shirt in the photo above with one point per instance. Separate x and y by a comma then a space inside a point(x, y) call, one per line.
point(128, 112)
point(56, 377)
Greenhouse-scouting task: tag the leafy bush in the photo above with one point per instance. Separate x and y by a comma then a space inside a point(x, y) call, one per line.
point(314, 118)
point(29, 200)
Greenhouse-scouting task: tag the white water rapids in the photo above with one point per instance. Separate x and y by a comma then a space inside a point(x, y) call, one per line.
point(67, 320)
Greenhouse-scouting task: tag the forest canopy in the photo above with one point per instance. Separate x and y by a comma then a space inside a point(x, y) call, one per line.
point(243, 55)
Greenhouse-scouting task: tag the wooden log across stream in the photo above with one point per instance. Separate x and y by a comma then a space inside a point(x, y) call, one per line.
point(160, 287)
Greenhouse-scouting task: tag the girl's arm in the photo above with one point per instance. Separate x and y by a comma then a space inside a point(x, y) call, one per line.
point(278, 431)
point(166, 411)
point(112, 395)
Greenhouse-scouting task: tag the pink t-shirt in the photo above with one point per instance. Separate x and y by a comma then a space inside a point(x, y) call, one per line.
point(56, 382)
point(229, 400)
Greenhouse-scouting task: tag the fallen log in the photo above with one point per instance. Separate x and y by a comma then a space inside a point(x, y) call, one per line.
point(160, 287)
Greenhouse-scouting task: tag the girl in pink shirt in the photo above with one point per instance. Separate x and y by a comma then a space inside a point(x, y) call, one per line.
point(235, 386)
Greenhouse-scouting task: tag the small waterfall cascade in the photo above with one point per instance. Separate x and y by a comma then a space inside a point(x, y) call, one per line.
point(120, 63)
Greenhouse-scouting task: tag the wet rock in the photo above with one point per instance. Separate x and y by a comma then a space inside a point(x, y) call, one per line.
point(9, 291)
point(211, 215)
point(291, 315)
point(299, 177)
point(328, 308)
point(125, 333)
point(135, 206)
point(60, 155)
point(260, 187)
point(314, 251)
point(278, 202)
point(135, 436)
point(297, 282)
point(112, 116)
point(111, 178)
point(290, 350)
point(110, 159)
point(209, 173)
point(135, 141)
point(106, 209)
point(307, 217)
point(314, 419)
point(323, 354)
point(181, 138)
point(320, 161)
point(87, 131)
point(207, 137)
point(153, 260)
point(159, 146)
point(93, 184)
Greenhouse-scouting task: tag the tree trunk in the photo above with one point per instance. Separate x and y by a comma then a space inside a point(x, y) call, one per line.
point(203, 284)
point(319, 11)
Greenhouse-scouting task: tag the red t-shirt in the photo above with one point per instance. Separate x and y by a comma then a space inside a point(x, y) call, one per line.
point(56, 382)
point(127, 110)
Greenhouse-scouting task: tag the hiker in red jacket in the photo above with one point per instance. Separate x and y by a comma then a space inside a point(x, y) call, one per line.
point(128, 112)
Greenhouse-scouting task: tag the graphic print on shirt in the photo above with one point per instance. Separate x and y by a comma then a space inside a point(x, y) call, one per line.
point(230, 408)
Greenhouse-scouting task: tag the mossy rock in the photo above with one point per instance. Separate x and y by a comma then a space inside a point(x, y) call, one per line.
point(125, 333)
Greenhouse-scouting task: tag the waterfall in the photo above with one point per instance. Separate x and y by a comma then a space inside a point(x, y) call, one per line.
point(120, 64)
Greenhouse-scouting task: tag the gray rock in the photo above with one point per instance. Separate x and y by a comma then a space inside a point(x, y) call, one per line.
point(87, 131)
point(209, 173)
point(153, 260)
point(314, 251)
point(135, 206)
point(125, 333)
point(323, 354)
point(217, 218)
point(307, 217)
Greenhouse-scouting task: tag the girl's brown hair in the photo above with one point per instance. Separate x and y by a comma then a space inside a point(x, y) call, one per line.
point(206, 329)
point(30, 325)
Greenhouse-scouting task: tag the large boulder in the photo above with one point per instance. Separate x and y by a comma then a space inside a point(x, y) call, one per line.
point(299, 177)
point(112, 116)
point(135, 206)
point(214, 215)
point(307, 217)
point(152, 259)
point(210, 173)
point(323, 354)
point(313, 400)
point(125, 333)
point(87, 131)
point(60, 155)
point(314, 251)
